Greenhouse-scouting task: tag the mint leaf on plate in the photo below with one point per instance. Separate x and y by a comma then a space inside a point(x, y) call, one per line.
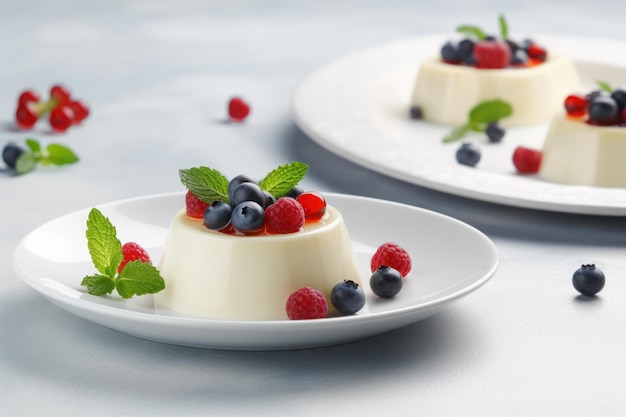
point(490, 111)
point(139, 278)
point(207, 184)
point(104, 246)
point(282, 179)
point(98, 284)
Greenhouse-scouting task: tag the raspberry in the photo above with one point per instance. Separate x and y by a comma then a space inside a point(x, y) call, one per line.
point(195, 206)
point(133, 252)
point(393, 256)
point(238, 109)
point(286, 215)
point(306, 303)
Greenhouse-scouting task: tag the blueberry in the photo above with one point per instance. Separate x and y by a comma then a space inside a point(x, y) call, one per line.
point(466, 51)
point(386, 282)
point(248, 217)
point(603, 109)
point(588, 280)
point(519, 57)
point(295, 191)
point(247, 191)
point(269, 199)
point(495, 132)
point(217, 215)
point(416, 112)
point(595, 94)
point(526, 43)
point(10, 153)
point(468, 154)
point(619, 95)
point(239, 179)
point(450, 52)
point(347, 297)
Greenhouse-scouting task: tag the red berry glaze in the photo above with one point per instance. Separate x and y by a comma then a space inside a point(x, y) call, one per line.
point(576, 105)
point(286, 215)
point(314, 205)
point(306, 303)
point(238, 109)
point(133, 252)
point(80, 109)
point(527, 160)
point(61, 118)
point(26, 116)
point(60, 93)
point(492, 54)
point(393, 256)
point(194, 206)
point(28, 96)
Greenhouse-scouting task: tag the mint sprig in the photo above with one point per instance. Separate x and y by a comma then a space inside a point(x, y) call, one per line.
point(210, 185)
point(472, 31)
point(137, 277)
point(279, 181)
point(479, 117)
point(504, 28)
point(52, 154)
point(605, 86)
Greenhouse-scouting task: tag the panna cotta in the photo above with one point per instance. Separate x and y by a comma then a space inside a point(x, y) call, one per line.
point(223, 276)
point(575, 152)
point(446, 92)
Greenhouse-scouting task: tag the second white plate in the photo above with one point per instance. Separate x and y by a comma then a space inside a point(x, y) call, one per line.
point(53, 259)
point(357, 107)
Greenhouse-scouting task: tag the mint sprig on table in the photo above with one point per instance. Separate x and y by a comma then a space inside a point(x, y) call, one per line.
point(137, 277)
point(210, 185)
point(479, 118)
point(52, 154)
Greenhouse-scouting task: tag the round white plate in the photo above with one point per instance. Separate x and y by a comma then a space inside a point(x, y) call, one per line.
point(358, 106)
point(53, 259)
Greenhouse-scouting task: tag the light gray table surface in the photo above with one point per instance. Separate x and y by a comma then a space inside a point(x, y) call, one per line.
point(157, 75)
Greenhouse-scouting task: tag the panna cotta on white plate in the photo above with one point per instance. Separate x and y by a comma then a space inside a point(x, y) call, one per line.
point(577, 153)
point(215, 275)
point(446, 92)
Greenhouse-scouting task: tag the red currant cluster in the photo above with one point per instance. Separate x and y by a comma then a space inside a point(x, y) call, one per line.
point(62, 110)
point(605, 107)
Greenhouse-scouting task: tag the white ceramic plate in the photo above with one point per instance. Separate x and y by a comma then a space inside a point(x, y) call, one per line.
point(53, 259)
point(357, 107)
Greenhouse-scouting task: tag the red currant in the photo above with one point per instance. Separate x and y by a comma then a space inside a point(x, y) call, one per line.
point(314, 205)
point(238, 109)
point(576, 105)
point(61, 118)
point(60, 93)
point(492, 54)
point(526, 160)
point(26, 116)
point(537, 52)
point(80, 109)
point(28, 96)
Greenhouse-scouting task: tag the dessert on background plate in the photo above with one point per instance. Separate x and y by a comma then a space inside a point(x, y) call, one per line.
point(481, 67)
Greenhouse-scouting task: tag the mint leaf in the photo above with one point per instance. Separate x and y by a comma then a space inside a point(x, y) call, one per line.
point(139, 278)
point(60, 155)
point(490, 111)
point(472, 30)
point(26, 162)
point(34, 147)
point(605, 86)
point(504, 29)
point(282, 179)
point(104, 246)
point(207, 184)
point(98, 284)
point(456, 134)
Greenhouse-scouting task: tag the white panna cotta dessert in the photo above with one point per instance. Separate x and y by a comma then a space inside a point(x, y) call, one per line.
point(446, 93)
point(220, 276)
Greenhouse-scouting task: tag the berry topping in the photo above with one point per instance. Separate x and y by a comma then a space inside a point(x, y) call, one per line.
point(238, 109)
point(391, 254)
point(10, 153)
point(347, 297)
point(195, 207)
point(217, 215)
point(468, 154)
point(284, 216)
point(239, 179)
point(603, 110)
point(247, 191)
point(386, 282)
point(314, 205)
point(450, 53)
point(495, 132)
point(306, 303)
point(248, 217)
point(492, 55)
point(537, 52)
point(527, 160)
point(588, 280)
point(576, 105)
point(133, 252)
point(295, 191)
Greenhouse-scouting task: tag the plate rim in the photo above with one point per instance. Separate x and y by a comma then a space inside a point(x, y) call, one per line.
point(582, 206)
point(71, 304)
